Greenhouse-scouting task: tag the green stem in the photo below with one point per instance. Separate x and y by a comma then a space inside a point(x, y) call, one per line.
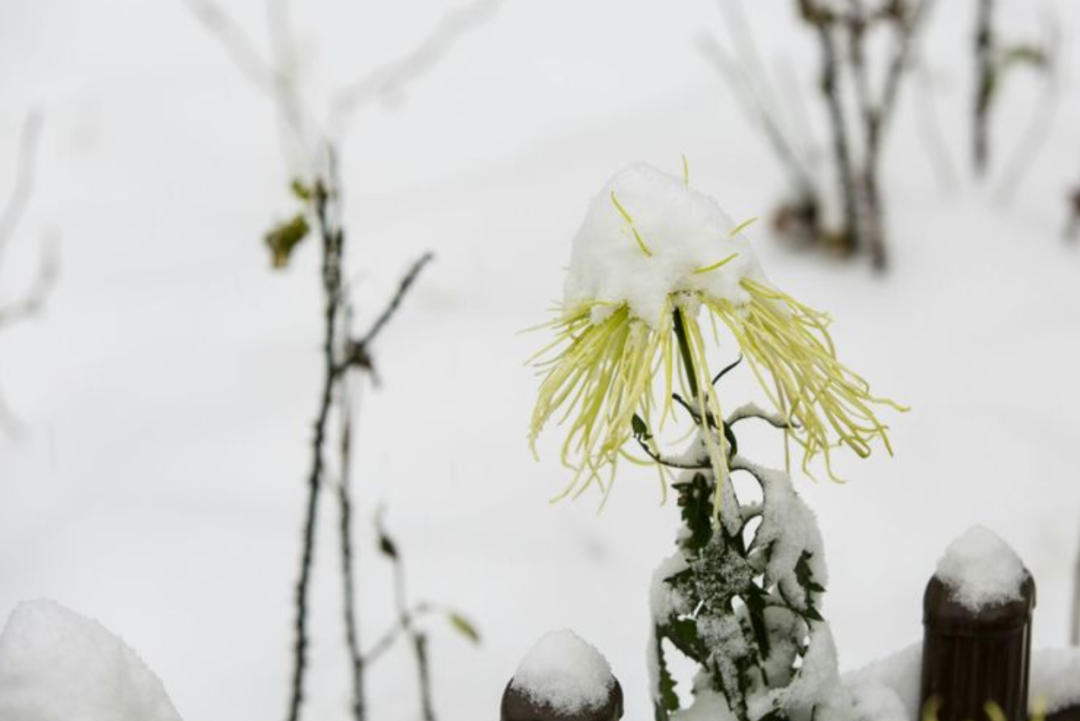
point(684, 351)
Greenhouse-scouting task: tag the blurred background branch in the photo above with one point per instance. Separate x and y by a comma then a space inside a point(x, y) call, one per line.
point(27, 303)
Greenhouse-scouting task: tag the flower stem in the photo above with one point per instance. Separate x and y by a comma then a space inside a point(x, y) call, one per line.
point(684, 351)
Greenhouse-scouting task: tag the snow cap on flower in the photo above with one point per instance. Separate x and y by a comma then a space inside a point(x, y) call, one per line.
point(683, 233)
point(649, 256)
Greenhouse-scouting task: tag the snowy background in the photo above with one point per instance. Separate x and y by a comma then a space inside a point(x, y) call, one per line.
point(168, 391)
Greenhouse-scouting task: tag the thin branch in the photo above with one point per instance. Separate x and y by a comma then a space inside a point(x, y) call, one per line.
point(348, 559)
point(396, 631)
point(243, 52)
point(32, 302)
point(907, 30)
point(985, 80)
point(404, 284)
point(1043, 115)
point(753, 106)
point(406, 620)
point(1072, 227)
point(332, 249)
point(830, 79)
point(392, 77)
point(270, 74)
point(25, 177)
point(930, 133)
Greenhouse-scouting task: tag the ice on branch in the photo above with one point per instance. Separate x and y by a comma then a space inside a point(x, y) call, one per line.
point(56, 665)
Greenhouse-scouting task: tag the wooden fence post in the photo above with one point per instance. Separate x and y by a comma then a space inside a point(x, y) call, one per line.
point(973, 657)
point(562, 679)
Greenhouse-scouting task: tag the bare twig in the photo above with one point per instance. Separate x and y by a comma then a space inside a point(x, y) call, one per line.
point(930, 133)
point(333, 240)
point(243, 52)
point(348, 562)
point(273, 73)
point(1043, 115)
point(396, 631)
point(31, 303)
point(842, 154)
point(1072, 227)
point(755, 109)
point(876, 114)
point(407, 619)
point(391, 78)
point(985, 80)
point(404, 284)
point(25, 177)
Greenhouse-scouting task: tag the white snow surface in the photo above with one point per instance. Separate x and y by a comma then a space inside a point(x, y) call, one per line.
point(708, 705)
point(167, 391)
point(683, 230)
point(888, 686)
point(981, 569)
point(56, 665)
point(790, 528)
point(888, 689)
point(663, 599)
point(564, 672)
point(817, 688)
point(1055, 679)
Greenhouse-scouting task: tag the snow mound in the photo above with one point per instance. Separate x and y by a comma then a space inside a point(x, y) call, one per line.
point(981, 570)
point(1054, 674)
point(564, 672)
point(1053, 684)
point(708, 706)
point(664, 600)
point(679, 234)
point(888, 688)
point(56, 665)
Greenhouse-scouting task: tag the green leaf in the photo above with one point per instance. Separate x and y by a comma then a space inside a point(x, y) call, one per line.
point(641, 431)
point(300, 190)
point(666, 700)
point(683, 633)
point(387, 546)
point(284, 237)
point(696, 499)
point(463, 626)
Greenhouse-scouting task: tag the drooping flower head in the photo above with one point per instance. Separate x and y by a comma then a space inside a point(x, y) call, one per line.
point(650, 259)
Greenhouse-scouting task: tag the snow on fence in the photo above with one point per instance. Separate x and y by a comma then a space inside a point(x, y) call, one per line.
point(562, 678)
point(976, 651)
point(977, 630)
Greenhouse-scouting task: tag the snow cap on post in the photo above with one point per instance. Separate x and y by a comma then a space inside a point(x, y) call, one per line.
point(981, 570)
point(563, 678)
point(977, 630)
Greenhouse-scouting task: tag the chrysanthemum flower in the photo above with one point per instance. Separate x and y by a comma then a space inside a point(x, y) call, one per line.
point(650, 259)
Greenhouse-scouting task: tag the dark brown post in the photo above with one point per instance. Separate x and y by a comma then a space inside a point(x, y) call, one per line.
point(519, 706)
point(972, 657)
